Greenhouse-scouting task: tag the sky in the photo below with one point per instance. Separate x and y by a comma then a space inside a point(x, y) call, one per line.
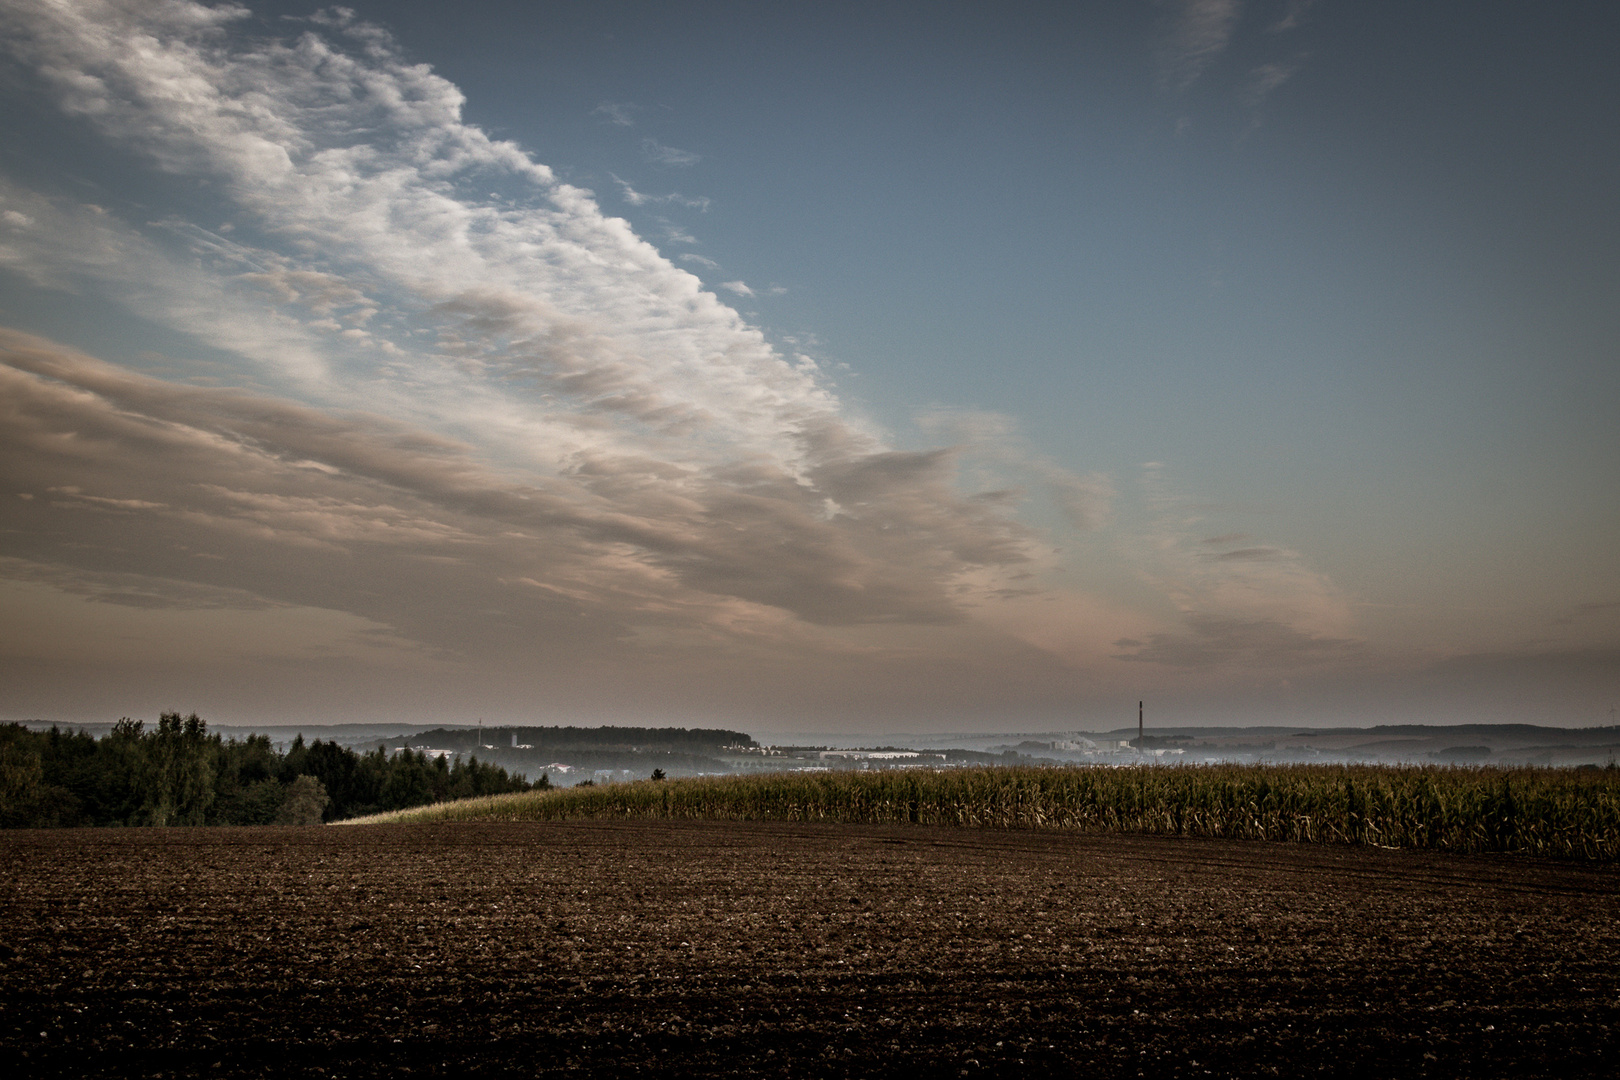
point(841, 367)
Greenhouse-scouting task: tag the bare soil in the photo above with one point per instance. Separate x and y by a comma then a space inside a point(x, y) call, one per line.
point(724, 949)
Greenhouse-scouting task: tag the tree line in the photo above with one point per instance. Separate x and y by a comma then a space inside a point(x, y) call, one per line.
point(178, 773)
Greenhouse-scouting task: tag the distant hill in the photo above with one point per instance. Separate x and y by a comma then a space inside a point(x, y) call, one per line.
point(568, 754)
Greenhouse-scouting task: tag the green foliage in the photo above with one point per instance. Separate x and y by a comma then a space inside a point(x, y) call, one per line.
point(176, 774)
point(179, 774)
point(1548, 812)
point(22, 782)
point(305, 802)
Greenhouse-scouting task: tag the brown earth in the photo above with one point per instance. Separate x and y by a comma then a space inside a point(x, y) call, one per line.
point(724, 949)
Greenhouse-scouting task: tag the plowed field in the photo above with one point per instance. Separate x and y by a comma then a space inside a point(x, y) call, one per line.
point(725, 949)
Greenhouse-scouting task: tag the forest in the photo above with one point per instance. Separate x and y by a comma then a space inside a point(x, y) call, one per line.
point(178, 773)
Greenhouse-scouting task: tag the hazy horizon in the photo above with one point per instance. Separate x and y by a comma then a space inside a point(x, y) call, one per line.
point(862, 368)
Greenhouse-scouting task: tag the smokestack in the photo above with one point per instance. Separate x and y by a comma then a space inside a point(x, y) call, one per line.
point(1141, 737)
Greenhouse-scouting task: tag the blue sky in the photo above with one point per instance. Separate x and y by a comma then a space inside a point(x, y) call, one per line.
point(846, 366)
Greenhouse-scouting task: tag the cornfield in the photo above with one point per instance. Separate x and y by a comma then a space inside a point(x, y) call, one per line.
point(1548, 812)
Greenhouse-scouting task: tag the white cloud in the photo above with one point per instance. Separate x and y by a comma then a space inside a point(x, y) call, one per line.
point(1199, 32)
point(621, 113)
point(493, 389)
point(1266, 78)
point(80, 247)
point(674, 198)
point(1293, 16)
point(992, 439)
point(1241, 603)
point(516, 403)
point(660, 154)
point(359, 162)
point(631, 195)
point(126, 463)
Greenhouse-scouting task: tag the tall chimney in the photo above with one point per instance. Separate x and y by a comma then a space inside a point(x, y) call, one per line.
point(1141, 736)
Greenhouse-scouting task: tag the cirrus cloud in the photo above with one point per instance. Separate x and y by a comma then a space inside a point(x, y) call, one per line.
point(500, 432)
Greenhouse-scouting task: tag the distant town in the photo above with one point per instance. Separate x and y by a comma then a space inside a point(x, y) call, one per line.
point(572, 755)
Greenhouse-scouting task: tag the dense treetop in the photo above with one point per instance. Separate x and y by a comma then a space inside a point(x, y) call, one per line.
point(179, 774)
